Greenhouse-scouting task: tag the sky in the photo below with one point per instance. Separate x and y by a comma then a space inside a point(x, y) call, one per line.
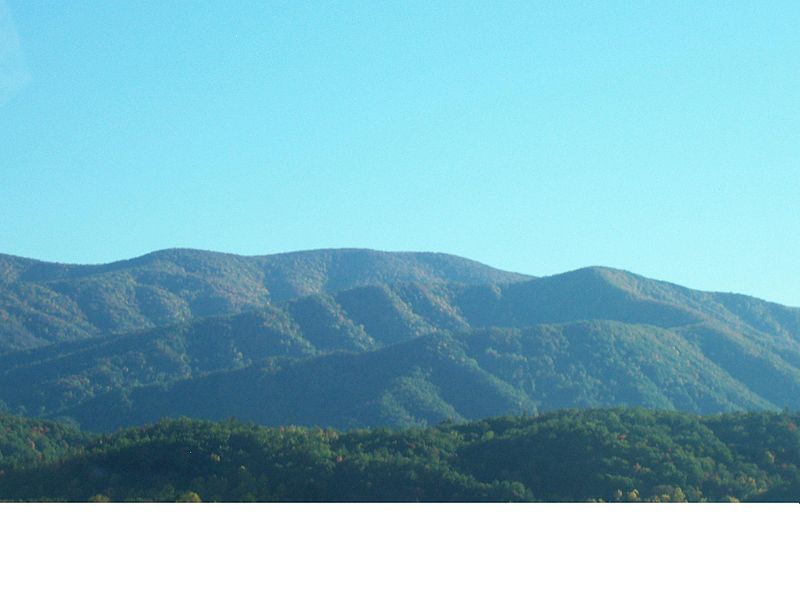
point(658, 137)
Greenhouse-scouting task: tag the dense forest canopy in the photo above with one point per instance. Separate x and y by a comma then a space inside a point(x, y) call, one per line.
point(606, 455)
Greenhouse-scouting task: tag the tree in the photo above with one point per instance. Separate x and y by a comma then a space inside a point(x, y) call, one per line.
point(189, 497)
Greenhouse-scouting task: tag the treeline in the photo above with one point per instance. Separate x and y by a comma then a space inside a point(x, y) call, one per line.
point(574, 455)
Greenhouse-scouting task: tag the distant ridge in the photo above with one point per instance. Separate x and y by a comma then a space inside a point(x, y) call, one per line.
point(43, 303)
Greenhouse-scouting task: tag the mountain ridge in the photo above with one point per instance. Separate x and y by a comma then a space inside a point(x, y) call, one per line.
point(354, 355)
point(186, 252)
point(43, 303)
point(747, 369)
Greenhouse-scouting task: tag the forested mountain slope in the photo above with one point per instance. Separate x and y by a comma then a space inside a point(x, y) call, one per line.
point(427, 343)
point(589, 455)
point(42, 302)
point(453, 376)
point(593, 337)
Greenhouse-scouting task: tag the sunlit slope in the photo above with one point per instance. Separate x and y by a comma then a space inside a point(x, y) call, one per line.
point(41, 302)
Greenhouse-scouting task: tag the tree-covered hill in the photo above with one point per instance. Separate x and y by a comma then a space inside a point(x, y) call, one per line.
point(26, 442)
point(572, 455)
point(42, 303)
point(420, 382)
point(629, 349)
point(409, 352)
point(463, 376)
point(610, 294)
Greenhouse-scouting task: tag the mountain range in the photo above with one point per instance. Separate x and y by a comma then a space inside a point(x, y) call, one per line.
point(355, 338)
point(43, 303)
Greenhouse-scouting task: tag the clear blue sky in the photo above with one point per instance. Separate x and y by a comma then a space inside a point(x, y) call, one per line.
point(662, 138)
